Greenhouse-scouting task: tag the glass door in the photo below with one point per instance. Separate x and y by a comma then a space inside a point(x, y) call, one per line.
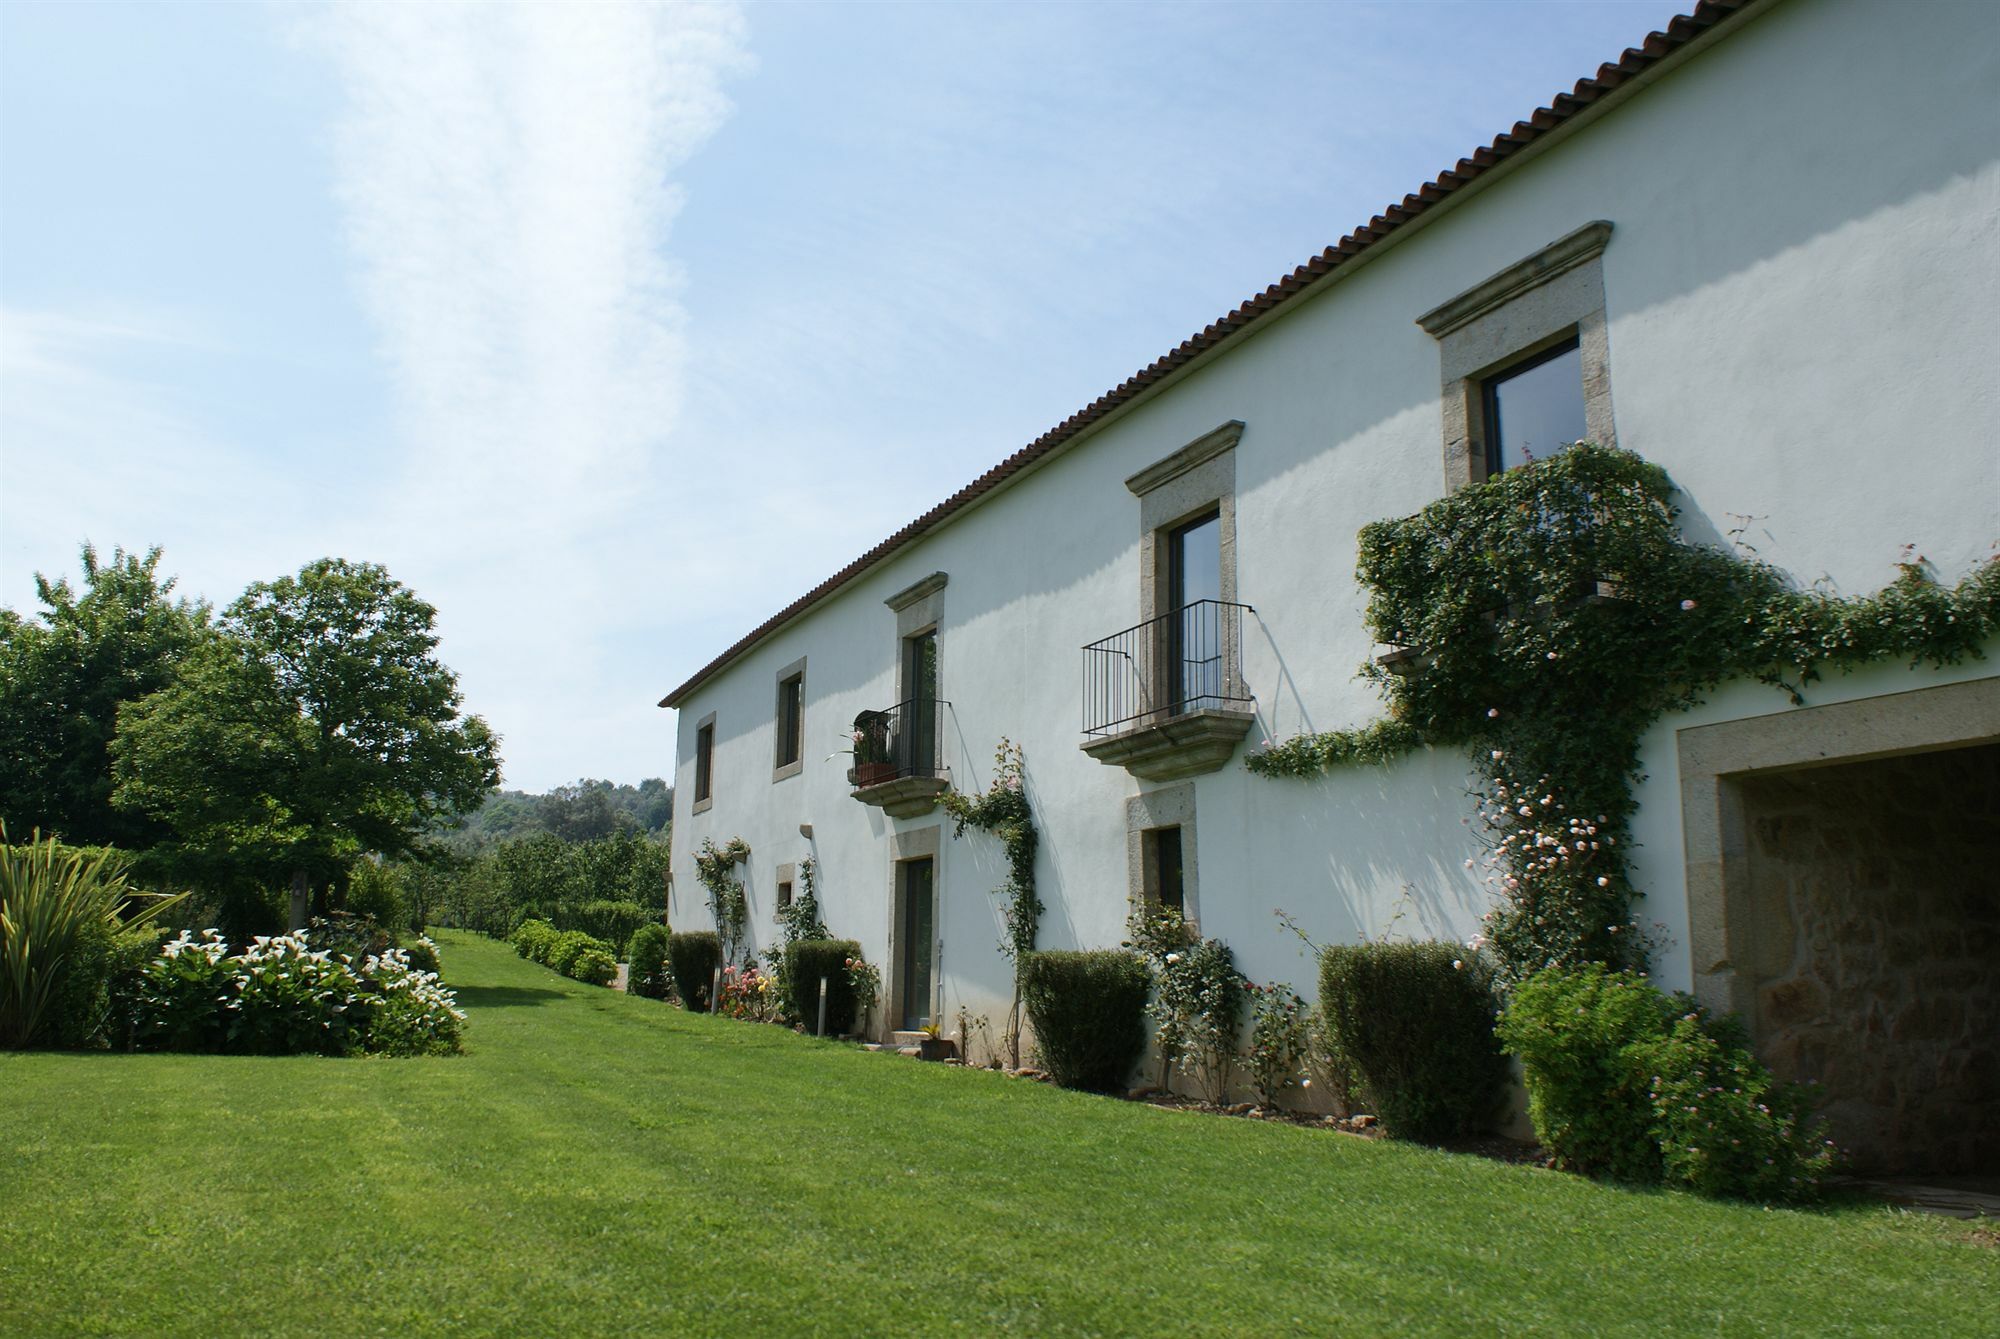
point(1194, 628)
point(916, 933)
point(917, 751)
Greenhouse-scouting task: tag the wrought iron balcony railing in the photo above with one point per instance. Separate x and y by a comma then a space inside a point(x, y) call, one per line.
point(906, 740)
point(1181, 662)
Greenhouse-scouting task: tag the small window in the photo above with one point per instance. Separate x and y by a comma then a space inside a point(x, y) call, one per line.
point(1535, 408)
point(1168, 882)
point(785, 893)
point(791, 719)
point(704, 762)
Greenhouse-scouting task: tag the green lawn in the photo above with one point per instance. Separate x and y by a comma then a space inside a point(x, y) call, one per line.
point(602, 1165)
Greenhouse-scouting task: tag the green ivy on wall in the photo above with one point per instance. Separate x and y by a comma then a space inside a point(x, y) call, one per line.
point(1003, 811)
point(716, 866)
point(1548, 618)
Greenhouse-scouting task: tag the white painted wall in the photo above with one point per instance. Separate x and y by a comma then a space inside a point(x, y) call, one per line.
point(1803, 293)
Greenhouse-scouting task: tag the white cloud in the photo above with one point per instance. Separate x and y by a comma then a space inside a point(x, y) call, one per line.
point(505, 172)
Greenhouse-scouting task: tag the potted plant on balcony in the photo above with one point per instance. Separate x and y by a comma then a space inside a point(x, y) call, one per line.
point(873, 761)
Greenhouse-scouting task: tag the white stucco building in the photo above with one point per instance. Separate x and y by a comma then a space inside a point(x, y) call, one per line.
point(1763, 252)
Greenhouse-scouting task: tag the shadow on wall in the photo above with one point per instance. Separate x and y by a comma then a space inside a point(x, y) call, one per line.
point(1382, 853)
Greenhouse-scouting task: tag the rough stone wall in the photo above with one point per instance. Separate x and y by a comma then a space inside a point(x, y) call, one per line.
point(1877, 889)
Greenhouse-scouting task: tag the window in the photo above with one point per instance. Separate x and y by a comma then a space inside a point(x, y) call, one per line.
point(785, 893)
point(789, 722)
point(1162, 857)
point(1165, 874)
point(1526, 359)
point(704, 764)
point(1194, 625)
point(1534, 408)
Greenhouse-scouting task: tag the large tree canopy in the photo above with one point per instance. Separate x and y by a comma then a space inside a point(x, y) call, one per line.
point(318, 726)
point(63, 677)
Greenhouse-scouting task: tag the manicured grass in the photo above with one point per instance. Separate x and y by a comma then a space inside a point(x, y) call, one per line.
point(599, 1165)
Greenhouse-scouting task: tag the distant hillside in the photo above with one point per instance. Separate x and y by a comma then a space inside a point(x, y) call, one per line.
point(582, 812)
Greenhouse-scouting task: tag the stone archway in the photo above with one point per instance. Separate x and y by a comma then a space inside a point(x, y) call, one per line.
point(1844, 898)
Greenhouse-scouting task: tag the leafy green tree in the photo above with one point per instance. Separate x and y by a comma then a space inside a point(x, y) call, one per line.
point(320, 725)
point(63, 677)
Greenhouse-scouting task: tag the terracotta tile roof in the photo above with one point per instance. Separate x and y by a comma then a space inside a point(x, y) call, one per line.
point(1635, 61)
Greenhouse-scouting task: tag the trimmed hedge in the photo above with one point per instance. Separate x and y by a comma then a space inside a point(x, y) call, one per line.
point(646, 963)
point(1088, 1011)
point(808, 960)
point(573, 953)
point(1591, 1107)
point(1416, 1023)
point(692, 957)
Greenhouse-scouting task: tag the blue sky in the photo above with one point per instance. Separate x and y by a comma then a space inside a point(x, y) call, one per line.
point(611, 329)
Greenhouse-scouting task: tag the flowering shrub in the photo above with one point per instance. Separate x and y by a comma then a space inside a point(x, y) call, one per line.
point(423, 954)
point(180, 995)
point(1416, 1022)
point(285, 998)
point(413, 1013)
point(1627, 1082)
point(1725, 1127)
point(1278, 1041)
point(1197, 1004)
point(280, 996)
point(748, 993)
point(864, 982)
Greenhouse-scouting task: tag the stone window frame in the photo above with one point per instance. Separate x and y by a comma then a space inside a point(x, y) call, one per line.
point(1147, 812)
point(1535, 304)
point(1722, 919)
point(913, 844)
point(781, 770)
point(704, 772)
point(786, 877)
point(1198, 478)
point(919, 608)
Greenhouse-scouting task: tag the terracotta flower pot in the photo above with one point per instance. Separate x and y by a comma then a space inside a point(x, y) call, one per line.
point(873, 773)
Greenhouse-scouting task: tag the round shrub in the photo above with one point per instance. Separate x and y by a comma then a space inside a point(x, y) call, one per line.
point(1088, 1011)
point(594, 966)
point(693, 957)
point(807, 961)
point(1416, 1023)
point(533, 939)
point(1591, 1108)
point(646, 960)
point(570, 945)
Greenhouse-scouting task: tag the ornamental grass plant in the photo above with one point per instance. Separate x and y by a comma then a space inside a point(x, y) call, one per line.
point(64, 914)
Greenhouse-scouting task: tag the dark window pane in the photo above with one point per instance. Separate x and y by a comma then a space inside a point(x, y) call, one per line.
point(784, 894)
point(1170, 889)
point(1535, 410)
point(704, 756)
point(791, 711)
